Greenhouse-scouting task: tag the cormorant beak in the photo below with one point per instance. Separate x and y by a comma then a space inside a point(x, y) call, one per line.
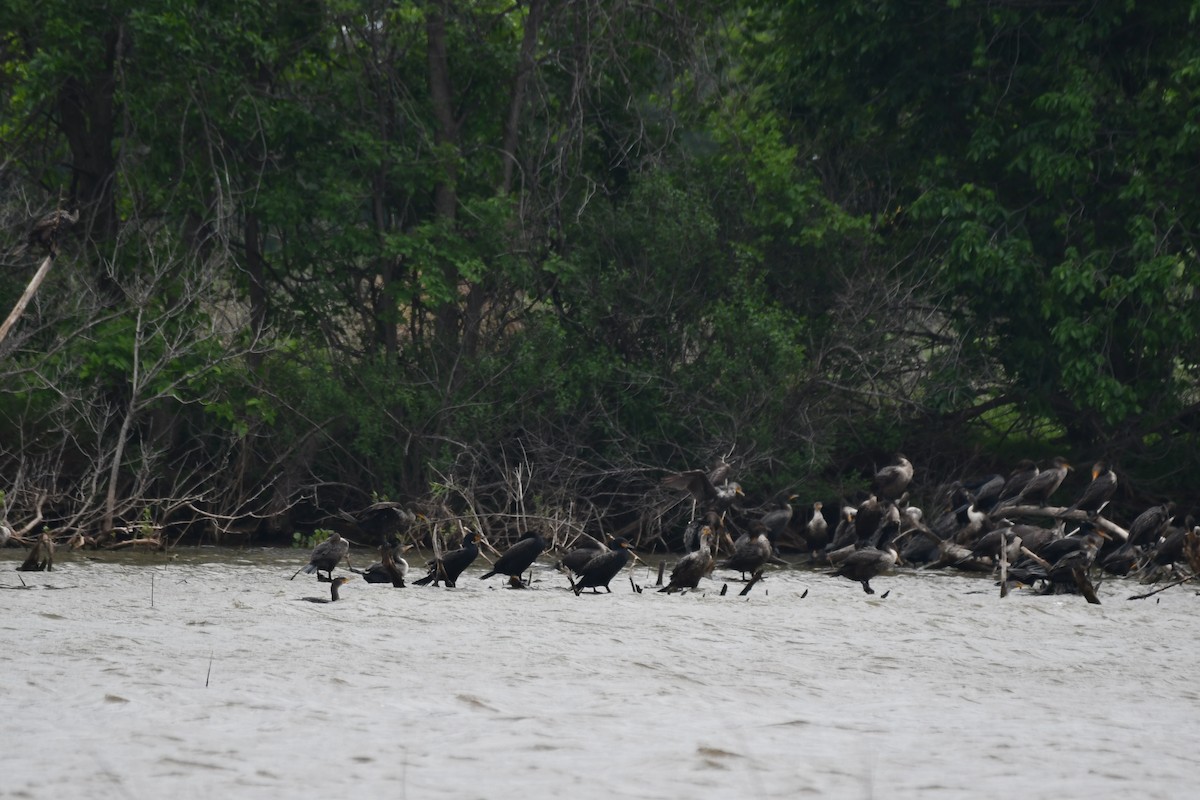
point(1095, 472)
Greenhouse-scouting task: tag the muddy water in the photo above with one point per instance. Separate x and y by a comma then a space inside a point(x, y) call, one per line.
point(206, 676)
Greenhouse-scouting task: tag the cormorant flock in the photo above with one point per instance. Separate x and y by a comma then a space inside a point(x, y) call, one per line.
point(991, 524)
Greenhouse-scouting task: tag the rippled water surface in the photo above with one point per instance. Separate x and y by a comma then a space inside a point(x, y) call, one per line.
point(941, 690)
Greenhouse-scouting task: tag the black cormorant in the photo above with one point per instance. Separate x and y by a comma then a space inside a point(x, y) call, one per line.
point(1099, 491)
point(601, 569)
point(447, 568)
point(1018, 479)
point(325, 556)
point(578, 557)
point(379, 572)
point(518, 558)
point(1041, 486)
point(1148, 526)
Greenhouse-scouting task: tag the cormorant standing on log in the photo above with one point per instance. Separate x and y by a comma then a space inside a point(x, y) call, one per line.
point(452, 564)
point(1099, 491)
point(325, 557)
point(1017, 480)
point(863, 565)
point(688, 571)
point(580, 556)
point(379, 572)
point(517, 558)
point(1039, 489)
point(603, 568)
point(750, 552)
point(816, 530)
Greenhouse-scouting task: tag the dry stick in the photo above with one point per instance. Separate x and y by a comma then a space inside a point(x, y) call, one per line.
point(28, 294)
point(661, 566)
point(1003, 564)
point(1040, 561)
point(1160, 589)
point(1085, 586)
point(208, 674)
point(755, 578)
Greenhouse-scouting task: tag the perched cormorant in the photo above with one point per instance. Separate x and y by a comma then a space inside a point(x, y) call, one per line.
point(447, 568)
point(379, 572)
point(325, 557)
point(985, 491)
point(601, 569)
point(863, 565)
point(866, 521)
point(750, 552)
point(1148, 526)
point(1099, 491)
point(577, 558)
point(46, 230)
point(775, 523)
point(334, 585)
point(816, 530)
point(1018, 479)
point(518, 558)
point(1041, 486)
point(1062, 571)
point(688, 571)
point(893, 480)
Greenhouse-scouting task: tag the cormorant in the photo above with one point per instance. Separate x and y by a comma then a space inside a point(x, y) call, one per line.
point(863, 565)
point(1148, 526)
point(333, 591)
point(750, 552)
point(893, 480)
point(601, 569)
point(451, 565)
point(714, 495)
point(518, 558)
point(816, 530)
point(46, 230)
point(688, 571)
point(775, 523)
point(867, 519)
point(1017, 480)
point(577, 558)
point(325, 557)
point(379, 572)
point(1041, 486)
point(1062, 571)
point(1099, 491)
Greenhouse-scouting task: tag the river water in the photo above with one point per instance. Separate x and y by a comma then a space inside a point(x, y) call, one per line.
point(204, 675)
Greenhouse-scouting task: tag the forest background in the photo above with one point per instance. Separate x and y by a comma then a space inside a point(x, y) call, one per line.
point(521, 259)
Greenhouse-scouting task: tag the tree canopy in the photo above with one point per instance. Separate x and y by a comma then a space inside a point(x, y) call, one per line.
point(537, 253)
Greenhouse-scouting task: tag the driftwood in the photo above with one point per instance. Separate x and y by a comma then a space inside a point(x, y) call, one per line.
point(755, 578)
point(1085, 585)
point(661, 567)
point(1047, 512)
point(1161, 588)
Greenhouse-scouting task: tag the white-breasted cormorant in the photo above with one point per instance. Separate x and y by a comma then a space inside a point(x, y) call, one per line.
point(688, 571)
